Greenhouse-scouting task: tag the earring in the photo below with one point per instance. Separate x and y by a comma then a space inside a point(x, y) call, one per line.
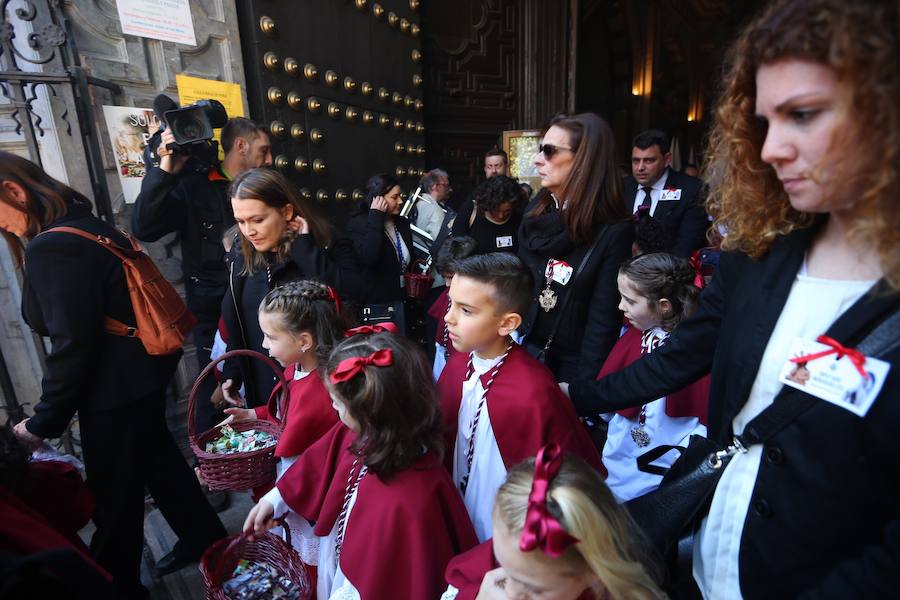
point(303, 350)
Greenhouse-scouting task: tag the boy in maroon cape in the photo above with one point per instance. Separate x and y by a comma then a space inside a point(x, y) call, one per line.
point(373, 490)
point(499, 404)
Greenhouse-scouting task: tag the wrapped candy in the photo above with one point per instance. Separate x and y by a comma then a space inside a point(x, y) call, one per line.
point(245, 441)
point(259, 581)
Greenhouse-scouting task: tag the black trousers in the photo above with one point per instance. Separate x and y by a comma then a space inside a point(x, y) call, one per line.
point(128, 450)
point(207, 310)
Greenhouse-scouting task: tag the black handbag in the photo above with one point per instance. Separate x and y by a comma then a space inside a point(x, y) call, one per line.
point(544, 354)
point(373, 314)
point(668, 515)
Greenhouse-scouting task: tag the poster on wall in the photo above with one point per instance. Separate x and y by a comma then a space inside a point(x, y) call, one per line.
point(129, 130)
point(520, 146)
point(166, 20)
point(191, 89)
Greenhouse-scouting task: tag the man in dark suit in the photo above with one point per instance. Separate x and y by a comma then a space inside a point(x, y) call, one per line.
point(672, 198)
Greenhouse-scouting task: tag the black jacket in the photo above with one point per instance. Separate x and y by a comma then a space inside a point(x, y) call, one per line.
point(824, 518)
point(592, 320)
point(490, 236)
point(70, 285)
point(377, 256)
point(335, 266)
point(686, 218)
point(198, 209)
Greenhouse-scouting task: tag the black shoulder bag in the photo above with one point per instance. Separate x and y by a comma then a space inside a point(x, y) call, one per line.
point(544, 354)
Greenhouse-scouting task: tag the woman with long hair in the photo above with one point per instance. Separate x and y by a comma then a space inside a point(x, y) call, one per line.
point(282, 239)
point(71, 286)
point(804, 156)
point(578, 216)
point(382, 240)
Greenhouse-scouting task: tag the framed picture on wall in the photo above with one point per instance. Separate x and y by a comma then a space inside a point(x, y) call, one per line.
point(521, 145)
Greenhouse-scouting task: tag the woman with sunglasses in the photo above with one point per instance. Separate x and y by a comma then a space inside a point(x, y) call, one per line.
point(577, 217)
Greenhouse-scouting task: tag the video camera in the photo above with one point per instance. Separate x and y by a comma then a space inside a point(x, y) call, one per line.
point(192, 127)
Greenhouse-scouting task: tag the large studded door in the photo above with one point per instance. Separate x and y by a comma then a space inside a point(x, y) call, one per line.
point(338, 83)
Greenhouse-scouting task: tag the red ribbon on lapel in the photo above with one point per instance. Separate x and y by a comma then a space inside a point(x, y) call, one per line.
point(541, 529)
point(699, 281)
point(349, 368)
point(367, 329)
point(856, 357)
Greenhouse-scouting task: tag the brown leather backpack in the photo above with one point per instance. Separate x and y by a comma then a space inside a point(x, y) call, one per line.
point(161, 319)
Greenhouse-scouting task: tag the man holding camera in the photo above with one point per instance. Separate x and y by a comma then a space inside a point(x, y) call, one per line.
point(181, 195)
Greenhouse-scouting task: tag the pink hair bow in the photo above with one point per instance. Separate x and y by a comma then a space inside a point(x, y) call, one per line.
point(349, 368)
point(367, 329)
point(542, 530)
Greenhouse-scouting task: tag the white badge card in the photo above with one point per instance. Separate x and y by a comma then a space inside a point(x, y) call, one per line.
point(504, 241)
point(835, 380)
point(562, 272)
point(670, 194)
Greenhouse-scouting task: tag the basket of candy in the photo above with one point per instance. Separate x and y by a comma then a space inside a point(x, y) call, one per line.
point(239, 456)
point(236, 568)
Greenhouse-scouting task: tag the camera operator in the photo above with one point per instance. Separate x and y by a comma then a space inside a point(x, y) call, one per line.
point(181, 196)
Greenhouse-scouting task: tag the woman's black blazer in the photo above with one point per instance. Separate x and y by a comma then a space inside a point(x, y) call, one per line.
point(377, 256)
point(824, 518)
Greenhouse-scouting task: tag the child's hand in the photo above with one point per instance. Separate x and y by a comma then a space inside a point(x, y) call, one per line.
point(231, 395)
point(259, 520)
point(25, 437)
point(236, 415)
point(564, 387)
point(493, 585)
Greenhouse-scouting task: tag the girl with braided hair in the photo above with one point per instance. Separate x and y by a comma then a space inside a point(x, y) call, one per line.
point(657, 292)
point(373, 491)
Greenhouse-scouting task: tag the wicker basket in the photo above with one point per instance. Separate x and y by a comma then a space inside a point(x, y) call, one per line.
point(240, 470)
point(418, 286)
point(220, 560)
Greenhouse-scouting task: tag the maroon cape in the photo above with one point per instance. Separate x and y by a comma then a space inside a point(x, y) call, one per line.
point(466, 571)
point(437, 312)
point(692, 401)
point(309, 413)
point(34, 522)
point(401, 533)
point(526, 407)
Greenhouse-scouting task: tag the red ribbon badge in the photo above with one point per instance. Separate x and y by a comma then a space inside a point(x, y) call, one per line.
point(369, 329)
point(349, 368)
point(541, 529)
point(856, 357)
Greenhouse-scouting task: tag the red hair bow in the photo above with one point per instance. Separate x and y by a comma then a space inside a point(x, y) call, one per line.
point(856, 357)
point(349, 368)
point(541, 529)
point(333, 296)
point(367, 329)
point(699, 281)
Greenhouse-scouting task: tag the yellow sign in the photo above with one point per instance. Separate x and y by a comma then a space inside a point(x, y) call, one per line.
point(191, 89)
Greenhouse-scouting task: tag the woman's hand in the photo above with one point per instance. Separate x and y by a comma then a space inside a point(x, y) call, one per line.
point(26, 438)
point(380, 204)
point(236, 415)
point(259, 520)
point(493, 585)
point(298, 225)
point(231, 394)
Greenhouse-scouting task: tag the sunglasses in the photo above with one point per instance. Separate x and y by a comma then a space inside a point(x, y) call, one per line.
point(549, 150)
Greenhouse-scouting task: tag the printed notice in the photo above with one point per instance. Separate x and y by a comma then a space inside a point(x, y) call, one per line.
point(129, 130)
point(167, 20)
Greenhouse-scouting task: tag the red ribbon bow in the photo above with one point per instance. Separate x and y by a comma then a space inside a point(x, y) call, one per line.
point(333, 296)
point(541, 529)
point(367, 329)
point(349, 368)
point(856, 357)
point(699, 281)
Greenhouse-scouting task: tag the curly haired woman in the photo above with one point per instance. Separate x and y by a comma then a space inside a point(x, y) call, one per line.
point(806, 146)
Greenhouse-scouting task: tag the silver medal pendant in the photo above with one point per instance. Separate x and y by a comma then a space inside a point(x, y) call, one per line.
point(547, 299)
point(640, 436)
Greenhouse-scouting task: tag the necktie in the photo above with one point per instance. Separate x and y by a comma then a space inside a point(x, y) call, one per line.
point(647, 202)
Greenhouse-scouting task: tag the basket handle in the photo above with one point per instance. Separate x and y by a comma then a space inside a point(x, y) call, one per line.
point(238, 542)
point(195, 390)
